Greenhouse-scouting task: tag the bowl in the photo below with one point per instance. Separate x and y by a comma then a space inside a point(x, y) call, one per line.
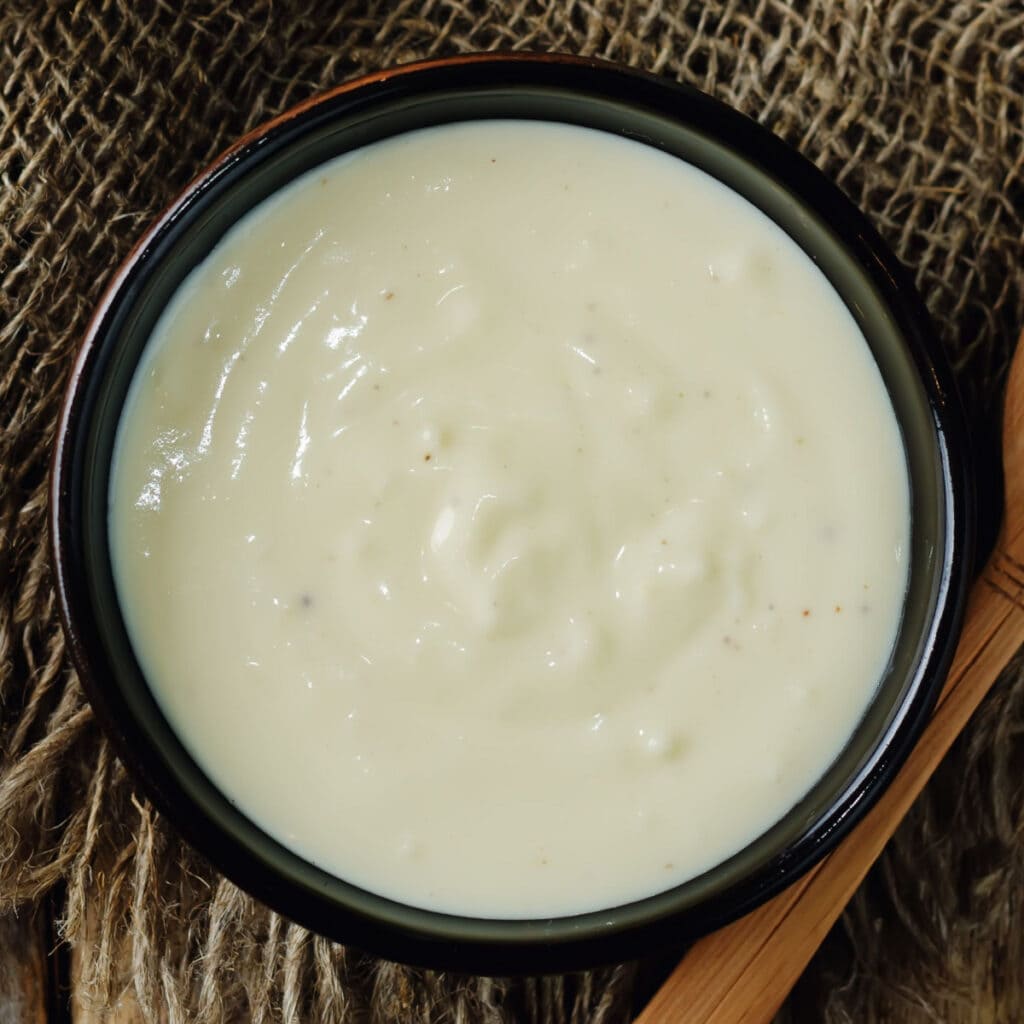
point(677, 120)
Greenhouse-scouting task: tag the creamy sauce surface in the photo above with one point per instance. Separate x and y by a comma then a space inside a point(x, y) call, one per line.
point(510, 519)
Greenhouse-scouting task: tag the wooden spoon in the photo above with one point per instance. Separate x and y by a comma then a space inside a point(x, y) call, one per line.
point(743, 973)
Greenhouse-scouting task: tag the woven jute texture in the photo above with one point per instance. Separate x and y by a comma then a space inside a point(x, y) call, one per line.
point(107, 108)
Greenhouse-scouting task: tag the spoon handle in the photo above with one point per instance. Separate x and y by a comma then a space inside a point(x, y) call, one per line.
point(742, 973)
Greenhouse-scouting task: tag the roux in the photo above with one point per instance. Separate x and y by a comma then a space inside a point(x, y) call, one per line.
point(510, 519)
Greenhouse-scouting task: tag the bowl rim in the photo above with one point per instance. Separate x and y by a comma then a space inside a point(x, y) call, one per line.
point(447, 941)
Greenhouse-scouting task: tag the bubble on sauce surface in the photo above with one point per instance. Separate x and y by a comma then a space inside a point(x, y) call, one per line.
point(661, 744)
point(753, 265)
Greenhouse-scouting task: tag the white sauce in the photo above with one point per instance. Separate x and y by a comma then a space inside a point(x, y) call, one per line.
point(510, 519)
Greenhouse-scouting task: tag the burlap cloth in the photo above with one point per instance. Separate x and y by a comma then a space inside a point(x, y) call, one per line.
point(108, 107)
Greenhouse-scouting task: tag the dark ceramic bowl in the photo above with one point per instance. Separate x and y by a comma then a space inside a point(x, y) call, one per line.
point(733, 149)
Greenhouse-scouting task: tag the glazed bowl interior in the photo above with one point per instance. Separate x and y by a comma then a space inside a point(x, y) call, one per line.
point(731, 149)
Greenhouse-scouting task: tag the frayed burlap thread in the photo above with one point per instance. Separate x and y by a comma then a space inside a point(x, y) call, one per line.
point(107, 108)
